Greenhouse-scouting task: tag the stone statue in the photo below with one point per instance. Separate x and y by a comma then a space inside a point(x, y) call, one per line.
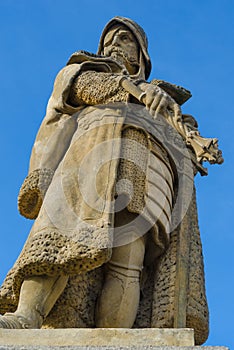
point(110, 185)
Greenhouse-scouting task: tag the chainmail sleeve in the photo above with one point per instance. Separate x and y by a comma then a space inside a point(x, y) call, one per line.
point(91, 88)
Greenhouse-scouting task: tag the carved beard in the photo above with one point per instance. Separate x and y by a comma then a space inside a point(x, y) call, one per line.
point(123, 58)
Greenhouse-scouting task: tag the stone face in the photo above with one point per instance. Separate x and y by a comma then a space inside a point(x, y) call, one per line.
point(99, 337)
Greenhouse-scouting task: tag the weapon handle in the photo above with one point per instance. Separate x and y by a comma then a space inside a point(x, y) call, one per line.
point(133, 89)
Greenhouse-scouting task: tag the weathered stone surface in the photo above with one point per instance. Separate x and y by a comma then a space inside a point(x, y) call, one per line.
point(133, 347)
point(95, 148)
point(98, 337)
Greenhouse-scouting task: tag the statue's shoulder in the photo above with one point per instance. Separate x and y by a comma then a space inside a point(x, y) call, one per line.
point(83, 56)
point(95, 62)
point(179, 93)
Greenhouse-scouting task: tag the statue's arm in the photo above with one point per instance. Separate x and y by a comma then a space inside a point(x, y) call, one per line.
point(92, 88)
point(74, 88)
point(52, 142)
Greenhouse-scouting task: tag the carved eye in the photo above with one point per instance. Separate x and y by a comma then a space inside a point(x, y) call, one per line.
point(125, 38)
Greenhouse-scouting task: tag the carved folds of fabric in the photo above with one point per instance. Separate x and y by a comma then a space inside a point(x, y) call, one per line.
point(91, 88)
point(163, 306)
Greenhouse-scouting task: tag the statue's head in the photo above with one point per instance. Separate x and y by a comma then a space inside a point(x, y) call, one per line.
point(124, 40)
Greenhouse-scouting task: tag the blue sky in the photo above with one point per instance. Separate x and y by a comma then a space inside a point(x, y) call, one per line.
point(190, 43)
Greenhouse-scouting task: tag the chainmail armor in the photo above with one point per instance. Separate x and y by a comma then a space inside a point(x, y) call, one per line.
point(92, 88)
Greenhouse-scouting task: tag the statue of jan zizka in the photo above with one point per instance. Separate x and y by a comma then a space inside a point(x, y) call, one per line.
point(110, 185)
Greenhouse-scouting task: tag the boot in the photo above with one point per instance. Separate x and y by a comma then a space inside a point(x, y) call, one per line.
point(118, 303)
point(37, 297)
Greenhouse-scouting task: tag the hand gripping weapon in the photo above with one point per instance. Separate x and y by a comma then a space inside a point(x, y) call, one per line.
point(204, 149)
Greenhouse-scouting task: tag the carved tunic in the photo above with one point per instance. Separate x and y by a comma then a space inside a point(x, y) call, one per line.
point(149, 189)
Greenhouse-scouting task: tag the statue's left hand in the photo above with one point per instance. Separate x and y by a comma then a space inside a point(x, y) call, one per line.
point(158, 101)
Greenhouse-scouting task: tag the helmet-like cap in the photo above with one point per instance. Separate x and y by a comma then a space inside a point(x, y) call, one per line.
point(137, 31)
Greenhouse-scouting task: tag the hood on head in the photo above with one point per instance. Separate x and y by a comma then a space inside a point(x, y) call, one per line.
point(139, 34)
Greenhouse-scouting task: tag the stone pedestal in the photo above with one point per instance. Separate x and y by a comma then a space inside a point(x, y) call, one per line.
point(99, 338)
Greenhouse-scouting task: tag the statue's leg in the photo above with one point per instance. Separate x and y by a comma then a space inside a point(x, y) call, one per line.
point(37, 297)
point(119, 299)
